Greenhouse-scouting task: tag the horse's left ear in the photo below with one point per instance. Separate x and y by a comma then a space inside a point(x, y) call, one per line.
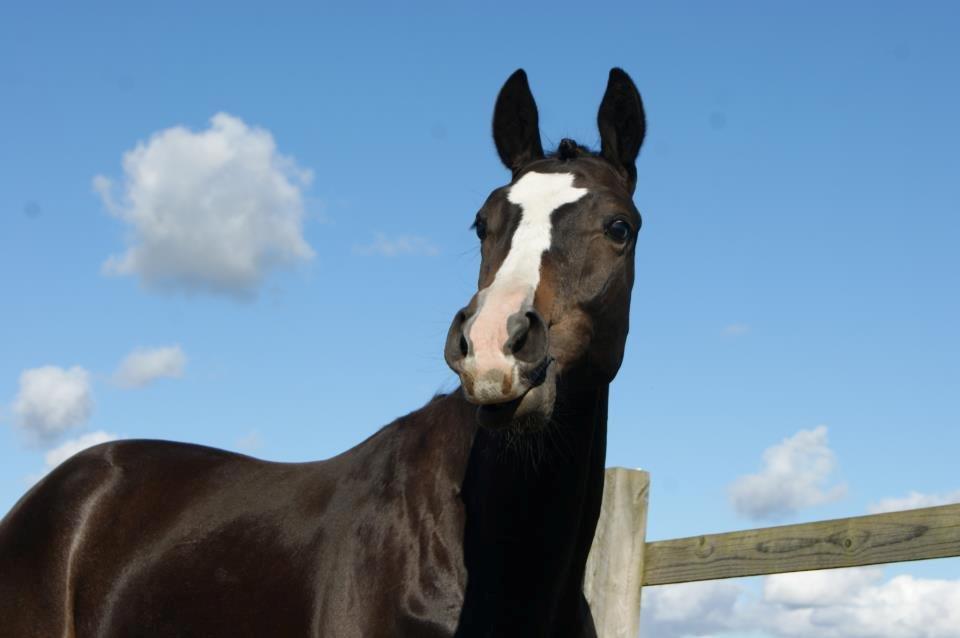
point(622, 125)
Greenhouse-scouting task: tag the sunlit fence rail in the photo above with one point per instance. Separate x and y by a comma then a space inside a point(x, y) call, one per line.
point(621, 562)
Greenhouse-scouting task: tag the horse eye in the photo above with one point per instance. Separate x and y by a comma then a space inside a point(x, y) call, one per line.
point(480, 225)
point(619, 231)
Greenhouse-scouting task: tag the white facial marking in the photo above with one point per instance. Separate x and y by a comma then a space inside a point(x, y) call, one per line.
point(513, 287)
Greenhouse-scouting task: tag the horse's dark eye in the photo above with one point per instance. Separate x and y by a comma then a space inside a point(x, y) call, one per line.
point(619, 231)
point(480, 225)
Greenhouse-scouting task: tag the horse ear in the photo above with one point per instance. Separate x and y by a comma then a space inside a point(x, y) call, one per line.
point(622, 124)
point(516, 124)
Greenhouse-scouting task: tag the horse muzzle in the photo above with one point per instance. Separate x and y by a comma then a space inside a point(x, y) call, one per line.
point(501, 363)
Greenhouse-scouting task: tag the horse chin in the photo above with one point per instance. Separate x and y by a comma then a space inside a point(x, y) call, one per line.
point(530, 411)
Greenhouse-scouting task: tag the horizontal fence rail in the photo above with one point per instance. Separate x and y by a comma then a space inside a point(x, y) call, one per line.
point(932, 532)
point(621, 562)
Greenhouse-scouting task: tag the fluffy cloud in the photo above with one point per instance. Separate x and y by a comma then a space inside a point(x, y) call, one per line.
point(61, 453)
point(853, 603)
point(209, 211)
point(51, 400)
point(691, 609)
point(794, 476)
point(398, 246)
point(820, 588)
point(145, 365)
point(250, 442)
point(914, 500)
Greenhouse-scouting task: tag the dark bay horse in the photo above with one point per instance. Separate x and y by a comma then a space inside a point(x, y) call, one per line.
point(472, 516)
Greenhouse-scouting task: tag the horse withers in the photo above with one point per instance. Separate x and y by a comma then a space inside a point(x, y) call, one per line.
point(472, 516)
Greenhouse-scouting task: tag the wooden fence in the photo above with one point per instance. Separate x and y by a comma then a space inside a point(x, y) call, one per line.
point(621, 562)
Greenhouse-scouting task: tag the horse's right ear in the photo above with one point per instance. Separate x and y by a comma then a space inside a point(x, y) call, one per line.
point(516, 124)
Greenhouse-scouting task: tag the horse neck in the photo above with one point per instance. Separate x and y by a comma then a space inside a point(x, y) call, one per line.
point(532, 503)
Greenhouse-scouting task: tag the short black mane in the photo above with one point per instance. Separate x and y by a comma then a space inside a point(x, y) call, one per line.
point(569, 149)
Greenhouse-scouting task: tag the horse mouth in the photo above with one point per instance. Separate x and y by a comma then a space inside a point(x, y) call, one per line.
point(532, 409)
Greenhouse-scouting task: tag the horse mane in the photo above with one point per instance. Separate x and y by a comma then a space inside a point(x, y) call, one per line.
point(569, 149)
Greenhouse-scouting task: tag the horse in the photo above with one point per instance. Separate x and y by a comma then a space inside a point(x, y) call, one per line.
point(472, 516)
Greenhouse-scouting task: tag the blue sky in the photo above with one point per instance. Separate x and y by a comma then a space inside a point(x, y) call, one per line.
point(797, 266)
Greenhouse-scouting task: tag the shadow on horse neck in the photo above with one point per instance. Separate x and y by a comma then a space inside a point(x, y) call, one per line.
point(532, 504)
point(472, 516)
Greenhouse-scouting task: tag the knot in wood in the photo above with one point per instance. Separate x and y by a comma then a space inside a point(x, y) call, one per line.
point(704, 547)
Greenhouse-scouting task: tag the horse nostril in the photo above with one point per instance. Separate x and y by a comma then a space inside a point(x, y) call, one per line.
point(527, 340)
point(457, 346)
point(519, 343)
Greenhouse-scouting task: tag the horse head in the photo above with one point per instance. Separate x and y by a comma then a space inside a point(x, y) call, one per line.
point(557, 266)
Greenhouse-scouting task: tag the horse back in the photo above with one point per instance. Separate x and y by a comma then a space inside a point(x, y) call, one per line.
point(97, 541)
point(157, 539)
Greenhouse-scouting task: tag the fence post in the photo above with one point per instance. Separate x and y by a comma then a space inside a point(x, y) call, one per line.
point(614, 574)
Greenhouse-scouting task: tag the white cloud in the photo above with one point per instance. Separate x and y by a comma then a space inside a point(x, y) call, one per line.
point(903, 607)
point(853, 603)
point(691, 609)
point(250, 442)
point(51, 400)
point(208, 211)
point(914, 500)
point(398, 246)
point(794, 476)
point(144, 365)
point(736, 329)
point(820, 588)
point(62, 452)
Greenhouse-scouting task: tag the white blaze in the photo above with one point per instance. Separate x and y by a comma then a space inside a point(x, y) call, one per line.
point(513, 287)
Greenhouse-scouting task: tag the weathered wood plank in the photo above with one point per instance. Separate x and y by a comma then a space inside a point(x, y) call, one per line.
point(614, 573)
point(932, 532)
